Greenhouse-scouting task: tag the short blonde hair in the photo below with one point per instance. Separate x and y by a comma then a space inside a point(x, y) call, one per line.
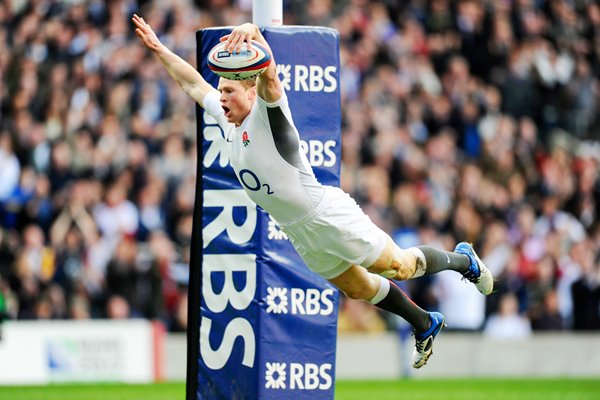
point(248, 82)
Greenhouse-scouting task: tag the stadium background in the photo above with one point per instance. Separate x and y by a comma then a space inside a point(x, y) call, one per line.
point(462, 120)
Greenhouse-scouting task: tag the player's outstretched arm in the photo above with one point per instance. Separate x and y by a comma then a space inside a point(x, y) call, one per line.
point(188, 78)
point(268, 86)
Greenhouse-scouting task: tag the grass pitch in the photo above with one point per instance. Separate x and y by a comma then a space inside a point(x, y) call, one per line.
point(447, 389)
point(471, 389)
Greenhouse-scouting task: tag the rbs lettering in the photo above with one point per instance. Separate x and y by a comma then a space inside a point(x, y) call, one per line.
point(310, 376)
point(314, 78)
point(319, 154)
point(217, 345)
point(311, 301)
point(308, 78)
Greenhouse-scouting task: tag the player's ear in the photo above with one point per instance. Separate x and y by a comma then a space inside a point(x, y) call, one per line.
point(252, 92)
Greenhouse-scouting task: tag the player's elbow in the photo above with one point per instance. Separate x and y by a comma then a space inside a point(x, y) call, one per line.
point(196, 91)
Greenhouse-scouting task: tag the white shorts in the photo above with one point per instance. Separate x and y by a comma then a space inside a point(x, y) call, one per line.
point(336, 236)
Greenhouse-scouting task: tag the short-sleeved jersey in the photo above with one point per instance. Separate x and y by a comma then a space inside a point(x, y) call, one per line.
point(267, 159)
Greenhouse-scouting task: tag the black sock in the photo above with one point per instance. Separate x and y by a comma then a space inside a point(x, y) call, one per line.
point(439, 260)
point(397, 302)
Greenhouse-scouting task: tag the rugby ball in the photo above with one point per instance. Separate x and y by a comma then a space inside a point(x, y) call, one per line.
point(238, 66)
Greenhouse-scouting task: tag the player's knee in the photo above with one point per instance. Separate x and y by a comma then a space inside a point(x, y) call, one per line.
point(394, 263)
point(403, 271)
point(398, 268)
point(404, 264)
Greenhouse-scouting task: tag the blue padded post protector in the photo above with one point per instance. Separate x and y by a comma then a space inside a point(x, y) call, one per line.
point(261, 325)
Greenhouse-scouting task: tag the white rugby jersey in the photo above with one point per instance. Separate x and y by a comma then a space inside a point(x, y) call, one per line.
point(267, 159)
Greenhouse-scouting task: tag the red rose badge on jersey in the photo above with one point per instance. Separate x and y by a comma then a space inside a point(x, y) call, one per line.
point(245, 139)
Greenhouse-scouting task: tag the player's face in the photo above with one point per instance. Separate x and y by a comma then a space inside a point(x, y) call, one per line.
point(236, 100)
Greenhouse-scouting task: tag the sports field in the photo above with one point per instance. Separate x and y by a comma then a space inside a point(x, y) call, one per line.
point(455, 389)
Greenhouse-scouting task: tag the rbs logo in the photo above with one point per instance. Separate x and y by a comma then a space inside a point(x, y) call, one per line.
point(300, 301)
point(308, 78)
point(298, 376)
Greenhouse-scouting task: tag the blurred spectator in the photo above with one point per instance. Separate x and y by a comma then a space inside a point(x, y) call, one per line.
point(116, 216)
point(571, 270)
point(507, 323)
point(586, 297)
point(180, 319)
point(463, 307)
point(117, 308)
point(134, 275)
point(9, 166)
point(79, 308)
point(548, 318)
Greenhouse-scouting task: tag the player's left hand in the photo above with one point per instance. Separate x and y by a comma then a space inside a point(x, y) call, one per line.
point(145, 33)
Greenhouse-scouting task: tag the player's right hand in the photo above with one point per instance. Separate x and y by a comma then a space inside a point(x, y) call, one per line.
point(145, 33)
point(240, 34)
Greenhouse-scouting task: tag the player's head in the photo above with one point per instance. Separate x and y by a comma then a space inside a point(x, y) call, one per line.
point(237, 98)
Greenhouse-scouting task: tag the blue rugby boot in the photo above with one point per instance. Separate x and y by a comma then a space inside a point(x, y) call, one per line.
point(424, 341)
point(477, 273)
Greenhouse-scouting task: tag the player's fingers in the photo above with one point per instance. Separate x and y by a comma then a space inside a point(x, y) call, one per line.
point(229, 40)
point(238, 46)
point(143, 38)
point(227, 45)
point(138, 23)
point(248, 39)
point(140, 34)
point(232, 44)
point(240, 42)
point(141, 28)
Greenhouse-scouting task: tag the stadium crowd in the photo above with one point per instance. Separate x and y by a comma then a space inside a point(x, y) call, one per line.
point(462, 120)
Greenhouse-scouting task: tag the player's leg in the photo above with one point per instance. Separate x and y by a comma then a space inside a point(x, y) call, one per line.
point(360, 284)
point(402, 264)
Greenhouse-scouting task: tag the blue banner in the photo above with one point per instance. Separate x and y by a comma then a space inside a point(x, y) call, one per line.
point(266, 325)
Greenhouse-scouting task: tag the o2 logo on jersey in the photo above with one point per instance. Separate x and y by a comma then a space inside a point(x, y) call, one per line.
point(252, 183)
point(308, 78)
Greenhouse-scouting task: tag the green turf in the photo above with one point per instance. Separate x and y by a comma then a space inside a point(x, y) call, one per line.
point(472, 389)
point(455, 389)
point(162, 391)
